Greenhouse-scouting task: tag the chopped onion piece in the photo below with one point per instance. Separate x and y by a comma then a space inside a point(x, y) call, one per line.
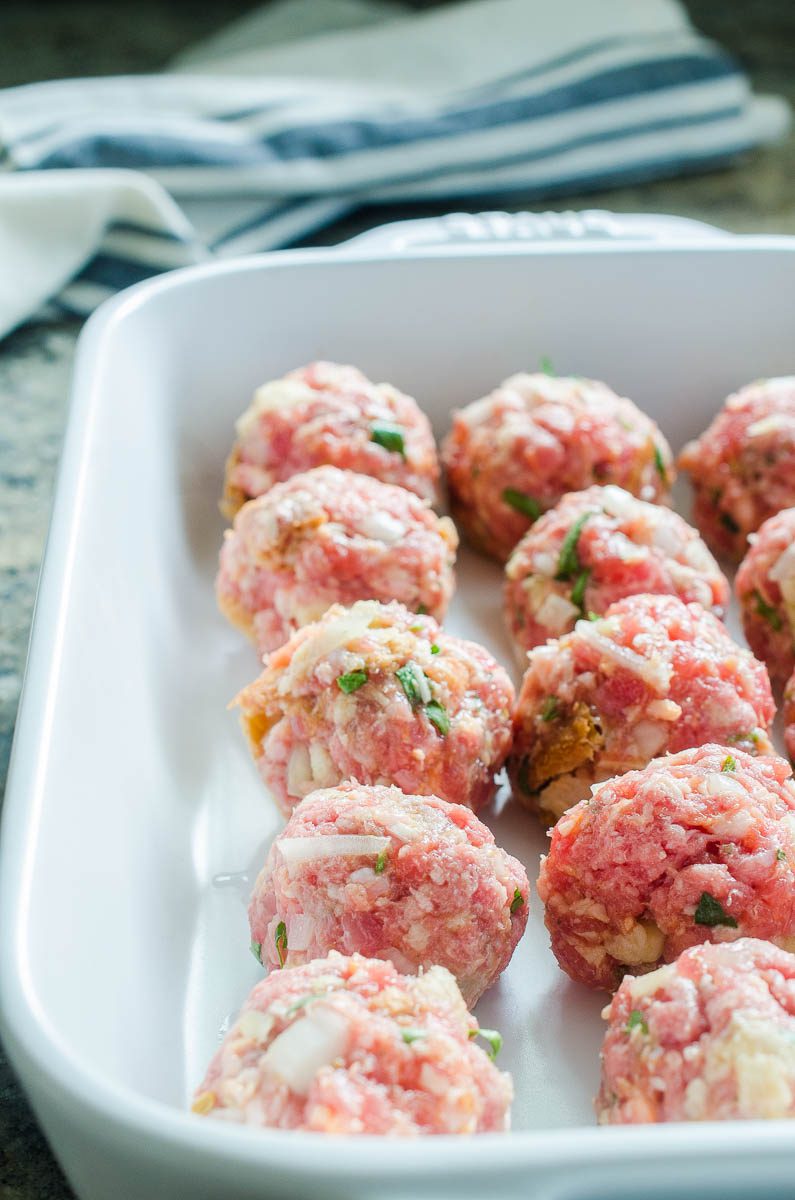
point(305, 1046)
point(299, 932)
point(299, 772)
point(307, 849)
point(654, 672)
point(381, 527)
point(347, 627)
point(557, 613)
point(279, 394)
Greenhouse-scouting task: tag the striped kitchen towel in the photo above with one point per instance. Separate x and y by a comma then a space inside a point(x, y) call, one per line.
point(298, 114)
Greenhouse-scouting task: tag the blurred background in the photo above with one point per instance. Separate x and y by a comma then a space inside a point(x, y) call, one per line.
point(46, 40)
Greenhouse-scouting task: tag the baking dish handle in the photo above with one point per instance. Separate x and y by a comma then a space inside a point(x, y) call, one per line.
point(589, 225)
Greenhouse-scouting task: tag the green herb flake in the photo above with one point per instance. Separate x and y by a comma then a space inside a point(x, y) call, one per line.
point(390, 437)
point(781, 855)
point(491, 1036)
point(545, 365)
point(437, 715)
point(523, 503)
point(659, 463)
point(637, 1021)
point(592, 616)
point(412, 1035)
point(710, 911)
point(568, 562)
point(352, 681)
point(412, 683)
point(517, 902)
point(422, 610)
point(280, 938)
point(728, 522)
point(299, 1004)
point(549, 710)
point(729, 763)
point(768, 611)
point(578, 591)
point(256, 950)
point(380, 863)
point(434, 648)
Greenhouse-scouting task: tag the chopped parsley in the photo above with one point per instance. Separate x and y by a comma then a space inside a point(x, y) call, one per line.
point(280, 938)
point(437, 715)
point(518, 900)
point(352, 681)
point(523, 503)
point(710, 911)
point(545, 365)
point(413, 683)
point(768, 611)
point(549, 710)
point(728, 522)
point(753, 736)
point(434, 648)
point(390, 437)
point(781, 855)
point(422, 610)
point(729, 763)
point(637, 1021)
point(491, 1036)
point(578, 591)
point(659, 463)
point(569, 562)
point(412, 1035)
point(298, 1004)
point(380, 863)
point(256, 950)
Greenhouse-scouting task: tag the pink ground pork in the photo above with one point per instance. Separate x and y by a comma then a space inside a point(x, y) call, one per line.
point(329, 536)
point(325, 413)
point(743, 466)
point(409, 878)
point(376, 693)
point(710, 1037)
point(596, 547)
point(652, 675)
point(350, 1046)
point(512, 455)
point(697, 847)
point(765, 587)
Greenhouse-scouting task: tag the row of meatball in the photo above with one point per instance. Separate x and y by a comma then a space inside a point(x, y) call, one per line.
point(512, 455)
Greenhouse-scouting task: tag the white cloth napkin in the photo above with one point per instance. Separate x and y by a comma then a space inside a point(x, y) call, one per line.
point(301, 112)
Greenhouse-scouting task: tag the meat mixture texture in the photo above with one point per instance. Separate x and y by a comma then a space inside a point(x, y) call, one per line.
point(325, 413)
point(330, 536)
point(652, 675)
point(347, 1045)
point(593, 549)
point(697, 847)
point(743, 466)
point(512, 455)
point(765, 588)
point(384, 696)
point(409, 878)
point(710, 1037)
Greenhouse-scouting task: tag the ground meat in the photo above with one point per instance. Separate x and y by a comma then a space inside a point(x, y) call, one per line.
point(765, 587)
point(789, 717)
point(596, 547)
point(329, 536)
point(409, 878)
point(349, 1046)
point(652, 675)
point(697, 847)
point(709, 1038)
point(513, 454)
point(381, 695)
point(743, 465)
point(329, 414)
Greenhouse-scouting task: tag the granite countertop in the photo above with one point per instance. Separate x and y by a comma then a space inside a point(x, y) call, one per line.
point(756, 195)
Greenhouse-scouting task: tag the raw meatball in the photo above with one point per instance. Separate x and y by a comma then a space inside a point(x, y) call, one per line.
point(596, 547)
point(379, 694)
point(325, 413)
point(765, 587)
point(348, 1045)
point(697, 847)
point(709, 1038)
point(513, 454)
point(329, 535)
point(652, 675)
point(743, 465)
point(409, 878)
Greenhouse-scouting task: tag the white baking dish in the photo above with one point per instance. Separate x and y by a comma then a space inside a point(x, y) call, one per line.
point(123, 950)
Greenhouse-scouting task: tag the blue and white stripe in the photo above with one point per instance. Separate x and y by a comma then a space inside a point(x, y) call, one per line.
point(606, 93)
